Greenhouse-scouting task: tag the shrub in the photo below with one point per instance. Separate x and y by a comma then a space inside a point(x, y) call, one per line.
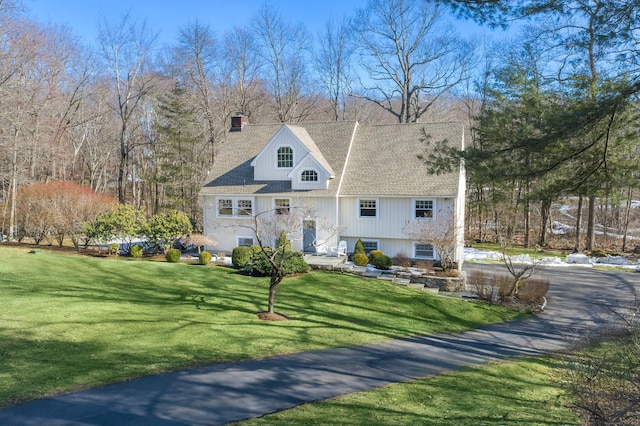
point(381, 262)
point(136, 251)
point(173, 256)
point(533, 290)
point(480, 282)
point(114, 248)
point(293, 262)
point(373, 254)
point(402, 259)
point(283, 241)
point(204, 258)
point(359, 248)
point(360, 259)
point(241, 255)
point(504, 284)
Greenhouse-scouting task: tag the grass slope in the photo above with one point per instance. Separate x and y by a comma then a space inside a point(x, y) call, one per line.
point(70, 322)
point(508, 393)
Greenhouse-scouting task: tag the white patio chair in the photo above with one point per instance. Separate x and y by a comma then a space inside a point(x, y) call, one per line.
point(321, 247)
point(340, 250)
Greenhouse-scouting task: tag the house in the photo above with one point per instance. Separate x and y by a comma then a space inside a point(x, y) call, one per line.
point(367, 180)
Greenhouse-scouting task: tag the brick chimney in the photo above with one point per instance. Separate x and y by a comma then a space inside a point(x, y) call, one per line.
point(238, 122)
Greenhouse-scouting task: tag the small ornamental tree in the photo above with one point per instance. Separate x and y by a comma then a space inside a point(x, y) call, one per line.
point(271, 227)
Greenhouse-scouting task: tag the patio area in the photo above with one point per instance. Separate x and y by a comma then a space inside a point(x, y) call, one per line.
point(325, 262)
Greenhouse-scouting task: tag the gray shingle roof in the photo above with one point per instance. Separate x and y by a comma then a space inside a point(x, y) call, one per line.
point(383, 159)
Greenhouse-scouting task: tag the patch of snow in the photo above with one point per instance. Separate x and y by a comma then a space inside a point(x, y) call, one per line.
point(578, 259)
point(475, 254)
point(613, 260)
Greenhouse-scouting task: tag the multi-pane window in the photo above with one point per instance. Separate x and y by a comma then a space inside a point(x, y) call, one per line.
point(245, 241)
point(424, 209)
point(244, 208)
point(285, 157)
point(369, 246)
point(309, 176)
point(368, 208)
point(234, 207)
point(282, 206)
point(424, 250)
point(225, 207)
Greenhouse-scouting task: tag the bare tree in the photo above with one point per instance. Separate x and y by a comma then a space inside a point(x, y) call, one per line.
point(243, 64)
point(197, 60)
point(271, 226)
point(283, 47)
point(332, 62)
point(127, 48)
point(410, 56)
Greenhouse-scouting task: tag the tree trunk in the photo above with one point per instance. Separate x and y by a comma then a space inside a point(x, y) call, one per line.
point(578, 225)
point(591, 234)
point(544, 219)
point(276, 279)
point(627, 214)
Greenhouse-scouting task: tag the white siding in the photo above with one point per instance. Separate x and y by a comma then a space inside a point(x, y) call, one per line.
point(266, 163)
point(393, 213)
point(225, 231)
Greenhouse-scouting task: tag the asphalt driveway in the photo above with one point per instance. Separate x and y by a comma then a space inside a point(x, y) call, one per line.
point(580, 300)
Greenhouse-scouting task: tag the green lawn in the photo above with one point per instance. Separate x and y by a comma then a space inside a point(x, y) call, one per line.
point(69, 322)
point(508, 393)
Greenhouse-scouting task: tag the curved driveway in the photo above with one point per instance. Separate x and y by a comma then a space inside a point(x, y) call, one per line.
point(579, 301)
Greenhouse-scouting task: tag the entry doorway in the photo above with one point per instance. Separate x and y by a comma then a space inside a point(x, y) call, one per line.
point(309, 236)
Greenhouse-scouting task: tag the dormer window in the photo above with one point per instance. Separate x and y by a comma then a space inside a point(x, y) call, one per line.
point(285, 157)
point(309, 176)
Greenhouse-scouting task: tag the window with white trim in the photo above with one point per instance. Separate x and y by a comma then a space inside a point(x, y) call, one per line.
point(245, 241)
point(282, 206)
point(423, 209)
point(225, 207)
point(234, 207)
point(309, 176)
point(424, 250)
point(368, 208)
point(245, 208)
point(285, 157)
point(369, 245)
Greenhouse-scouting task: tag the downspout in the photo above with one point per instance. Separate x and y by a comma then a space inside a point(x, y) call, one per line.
point(344, 168)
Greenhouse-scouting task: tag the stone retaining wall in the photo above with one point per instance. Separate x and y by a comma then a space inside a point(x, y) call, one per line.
point(449, 284)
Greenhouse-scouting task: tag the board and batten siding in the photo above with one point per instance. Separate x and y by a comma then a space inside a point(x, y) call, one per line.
point(225, 231)
point(266, 167)
point(392, 215)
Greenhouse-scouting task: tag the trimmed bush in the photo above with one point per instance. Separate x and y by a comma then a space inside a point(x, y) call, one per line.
point(204, 258)
point(114, 248)
point(359, 248)
point(293, 262)
point(241, 255)
point(373, 255)
point(136, 251)
point(381, 262)
point(360, 259)
point(173, 255)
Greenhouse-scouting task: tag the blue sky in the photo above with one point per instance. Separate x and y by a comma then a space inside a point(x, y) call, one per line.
point(167, 16)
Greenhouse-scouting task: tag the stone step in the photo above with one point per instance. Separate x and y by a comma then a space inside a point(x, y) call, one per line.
point(387, 277)
point(416, 286)
point(401, 281)
point(372, 274)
